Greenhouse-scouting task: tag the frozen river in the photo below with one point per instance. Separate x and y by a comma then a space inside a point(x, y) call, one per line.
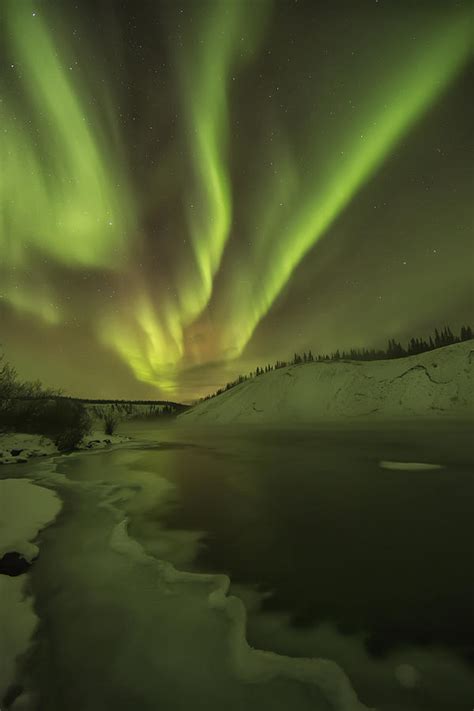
point(334, 556)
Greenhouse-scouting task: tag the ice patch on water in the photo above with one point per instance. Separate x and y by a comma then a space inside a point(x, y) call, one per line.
point(409, 466)
point(250, 665)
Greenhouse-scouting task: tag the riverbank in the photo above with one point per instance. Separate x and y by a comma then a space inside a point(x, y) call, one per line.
point(118, 628)
point(25, 510)
point(18, 448)
point(334, 532)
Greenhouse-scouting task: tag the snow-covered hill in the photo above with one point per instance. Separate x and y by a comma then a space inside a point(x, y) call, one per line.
point(438, 383)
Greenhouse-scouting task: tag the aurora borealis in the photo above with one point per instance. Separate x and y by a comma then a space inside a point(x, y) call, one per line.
point(190, 189)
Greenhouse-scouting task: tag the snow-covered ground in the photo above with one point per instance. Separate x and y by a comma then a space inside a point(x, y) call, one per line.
point(25, 509)
point(439, 383)
point(16, 447)
point(99, 440)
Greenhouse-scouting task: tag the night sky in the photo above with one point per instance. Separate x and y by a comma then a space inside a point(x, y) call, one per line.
point(191, 189)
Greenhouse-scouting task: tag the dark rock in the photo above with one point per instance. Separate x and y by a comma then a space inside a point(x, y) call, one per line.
point(12, 693)
point(13, 564)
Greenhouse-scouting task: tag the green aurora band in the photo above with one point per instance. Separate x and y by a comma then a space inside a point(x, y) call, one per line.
point(64, 159)
point(60, 193)
point(426, 71)
point(215, 50)
point(76, 211)
point(151, 341)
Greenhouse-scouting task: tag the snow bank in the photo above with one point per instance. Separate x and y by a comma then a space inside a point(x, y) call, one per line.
point(25, 509)
point(434, 384)
point(17, 448)
point(99, 440)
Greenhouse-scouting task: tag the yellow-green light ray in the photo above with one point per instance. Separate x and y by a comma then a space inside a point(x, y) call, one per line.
point(147, 339)
point(225, 40)
point(257, 153)
point(391, 112)
point(58, 185)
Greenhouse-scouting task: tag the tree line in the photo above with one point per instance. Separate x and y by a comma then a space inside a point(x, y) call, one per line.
point(394, 349)
point(133, 408)
point(29, 407)
point(168, 404)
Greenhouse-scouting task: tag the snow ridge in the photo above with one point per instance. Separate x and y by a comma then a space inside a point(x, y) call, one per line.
point(438, 383)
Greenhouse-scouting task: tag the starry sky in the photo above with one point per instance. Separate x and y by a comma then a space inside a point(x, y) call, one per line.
point(191, 189)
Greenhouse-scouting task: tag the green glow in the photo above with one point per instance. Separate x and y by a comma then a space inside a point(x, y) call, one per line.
point(33, 299)
point(58, 187)
point(224, 41)
point(194, 255)
point(149, 345)
point(156, 344)
point(391, 111)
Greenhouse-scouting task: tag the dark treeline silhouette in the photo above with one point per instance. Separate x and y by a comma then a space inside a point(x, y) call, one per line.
point(167, 405)
point(134, 408)
point(156, 408)
point(438, 339)
point(112, 412)
point(31, 408)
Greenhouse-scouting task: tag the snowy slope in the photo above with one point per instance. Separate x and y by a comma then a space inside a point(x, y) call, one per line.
point(437, 383)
